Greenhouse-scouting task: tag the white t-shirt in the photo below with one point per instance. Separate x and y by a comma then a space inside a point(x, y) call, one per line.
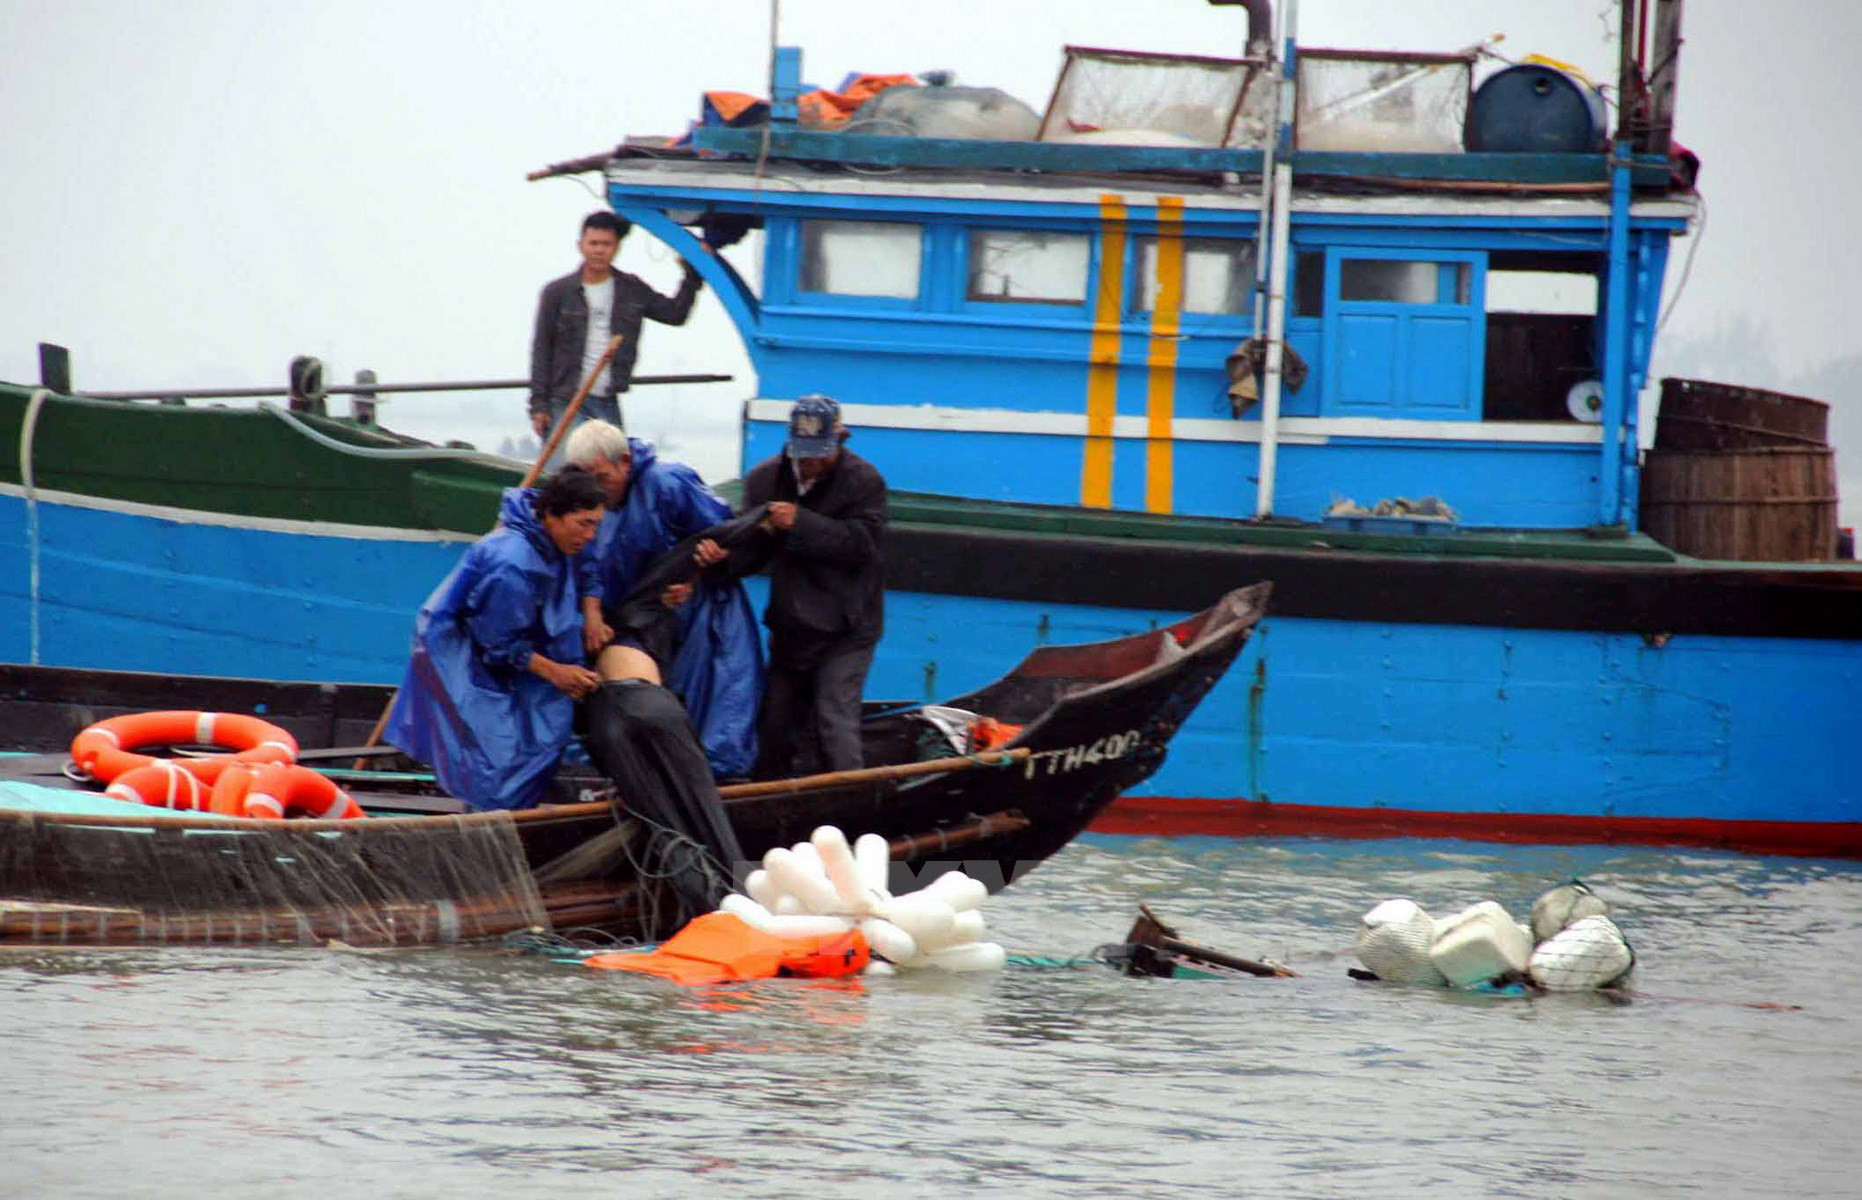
point(600, 298)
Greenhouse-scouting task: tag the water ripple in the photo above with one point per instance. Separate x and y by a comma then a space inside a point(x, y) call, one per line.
point(470, 1073)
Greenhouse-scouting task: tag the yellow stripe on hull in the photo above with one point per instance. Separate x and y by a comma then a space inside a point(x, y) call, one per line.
point(1102, 358)
point(1160, 401)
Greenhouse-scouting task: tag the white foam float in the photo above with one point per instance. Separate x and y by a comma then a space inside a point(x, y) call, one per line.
point(1584, 950)
point(1478, 943)
point(1564, 905)
point(1394, 940)
point(1587, 954)
point(825, 885)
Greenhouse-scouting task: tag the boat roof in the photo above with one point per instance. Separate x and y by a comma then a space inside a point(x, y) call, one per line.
point(779, 184)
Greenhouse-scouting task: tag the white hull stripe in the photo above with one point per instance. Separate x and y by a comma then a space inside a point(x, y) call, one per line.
point(197, 516)
point(1297, 431)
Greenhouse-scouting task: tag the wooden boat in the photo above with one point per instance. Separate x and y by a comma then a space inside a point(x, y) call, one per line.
point(1095, 719)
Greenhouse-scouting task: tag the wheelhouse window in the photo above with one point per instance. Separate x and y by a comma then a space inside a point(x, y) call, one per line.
point(1566, 293)
point(861, 258)
point(1218, 275)
point(1402, 281)
point(1025, 266)
point(1309, 284)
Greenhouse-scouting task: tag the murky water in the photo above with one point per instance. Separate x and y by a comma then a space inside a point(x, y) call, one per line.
point(300, 1073)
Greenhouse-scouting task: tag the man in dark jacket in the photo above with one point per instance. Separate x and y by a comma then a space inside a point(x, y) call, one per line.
point(579, 313)
point(827, 510)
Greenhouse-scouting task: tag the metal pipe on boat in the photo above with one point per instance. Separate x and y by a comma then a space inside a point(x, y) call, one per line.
point(1277, 268)
point(1263, 230)
point(377, 389)
point(1618, 403)
point(1260, 23)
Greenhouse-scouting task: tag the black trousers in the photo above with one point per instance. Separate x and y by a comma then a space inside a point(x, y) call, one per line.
point(810, 717)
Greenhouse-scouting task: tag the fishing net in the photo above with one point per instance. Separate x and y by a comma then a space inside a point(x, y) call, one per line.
point(1382, 102)
point(1126, 98)
point(384, 882)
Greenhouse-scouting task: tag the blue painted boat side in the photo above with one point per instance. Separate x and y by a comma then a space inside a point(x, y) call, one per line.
point(1546, 486)
point(1343, 715)
point(124, 591)
point(1349, 715)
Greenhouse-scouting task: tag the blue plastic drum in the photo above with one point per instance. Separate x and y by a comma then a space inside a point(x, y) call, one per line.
point(1532, 109)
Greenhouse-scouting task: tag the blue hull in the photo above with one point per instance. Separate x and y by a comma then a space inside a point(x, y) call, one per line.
point(122, 588)
point(1321, 726)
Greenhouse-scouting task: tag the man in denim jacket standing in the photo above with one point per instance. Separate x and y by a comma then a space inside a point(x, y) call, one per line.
point(579, 313)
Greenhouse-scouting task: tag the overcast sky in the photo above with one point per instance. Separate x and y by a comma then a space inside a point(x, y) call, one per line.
point(197, 190)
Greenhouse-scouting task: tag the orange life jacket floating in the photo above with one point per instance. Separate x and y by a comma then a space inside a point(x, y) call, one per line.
point(721, 948)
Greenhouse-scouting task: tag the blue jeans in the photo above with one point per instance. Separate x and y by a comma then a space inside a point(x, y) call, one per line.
point(603, 408)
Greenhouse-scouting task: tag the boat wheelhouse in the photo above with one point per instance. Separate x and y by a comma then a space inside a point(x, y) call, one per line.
point(1077, 323)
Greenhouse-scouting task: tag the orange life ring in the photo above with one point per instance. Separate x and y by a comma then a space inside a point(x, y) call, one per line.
point(160, 782)
point(108, 749)
point(278, 788)
point(267, 792)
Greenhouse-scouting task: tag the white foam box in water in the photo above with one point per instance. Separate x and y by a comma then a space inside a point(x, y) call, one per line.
point(1479, 943)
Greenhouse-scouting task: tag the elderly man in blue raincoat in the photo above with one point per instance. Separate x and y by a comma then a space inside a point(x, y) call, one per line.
point(489, 695)
point(716, 664)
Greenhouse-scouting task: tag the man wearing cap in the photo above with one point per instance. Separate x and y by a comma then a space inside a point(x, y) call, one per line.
point(579, 313)
point(827, 511)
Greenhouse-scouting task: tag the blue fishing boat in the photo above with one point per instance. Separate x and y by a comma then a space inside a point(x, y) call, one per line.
point(1370, 324)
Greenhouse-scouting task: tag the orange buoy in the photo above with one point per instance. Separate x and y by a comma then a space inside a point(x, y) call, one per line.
point(229, 791)
point(278, 788)
point(162, 783)
point(109, 749)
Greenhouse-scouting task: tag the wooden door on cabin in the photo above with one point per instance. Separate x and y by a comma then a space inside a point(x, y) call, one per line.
point(1404, 334)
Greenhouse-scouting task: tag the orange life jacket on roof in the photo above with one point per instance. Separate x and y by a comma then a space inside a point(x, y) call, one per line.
point(721, 948)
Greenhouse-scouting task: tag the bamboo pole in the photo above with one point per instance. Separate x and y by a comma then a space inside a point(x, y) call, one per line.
point(844, 779)
point(575, 405)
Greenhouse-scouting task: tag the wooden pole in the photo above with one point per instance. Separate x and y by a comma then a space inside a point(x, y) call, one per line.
point(568, 414)
point(530, 477)
point(845, 779)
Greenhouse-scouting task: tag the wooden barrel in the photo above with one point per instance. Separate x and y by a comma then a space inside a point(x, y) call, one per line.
point(1774, 505)
point(1697, 414)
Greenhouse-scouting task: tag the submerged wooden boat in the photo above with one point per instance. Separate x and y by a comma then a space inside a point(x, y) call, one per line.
point(1095, 719)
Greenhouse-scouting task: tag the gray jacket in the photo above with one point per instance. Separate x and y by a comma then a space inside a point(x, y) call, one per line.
point(562, 331)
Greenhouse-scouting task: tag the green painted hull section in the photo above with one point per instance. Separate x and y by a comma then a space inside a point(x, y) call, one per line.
point(249, 462)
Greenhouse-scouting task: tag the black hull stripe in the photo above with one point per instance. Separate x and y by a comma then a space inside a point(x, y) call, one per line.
point(1763, 600)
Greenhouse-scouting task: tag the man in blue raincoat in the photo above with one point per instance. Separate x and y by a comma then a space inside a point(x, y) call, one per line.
point(716, 665)
point(489, 695)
